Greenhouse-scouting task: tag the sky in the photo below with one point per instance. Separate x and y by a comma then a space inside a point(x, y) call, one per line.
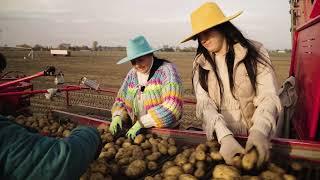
point(114, 22)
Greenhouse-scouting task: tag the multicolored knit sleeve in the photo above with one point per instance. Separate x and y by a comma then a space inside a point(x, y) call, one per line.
point(118, 108)
point(167, 113)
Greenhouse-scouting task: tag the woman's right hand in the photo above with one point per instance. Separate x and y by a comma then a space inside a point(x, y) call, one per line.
point(230, 148)
point(114, 124)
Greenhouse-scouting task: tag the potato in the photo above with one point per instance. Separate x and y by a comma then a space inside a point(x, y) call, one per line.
point(96, 176)
point(154, 156)
point(236, 161)
point(120, 140)
point(171, 141)
point(146, 145)
point(188, 168)
point(124, 161)
point(199, 173)
point(147, 152)
point(180, 160)
point(170, 178)
point(136, 168)
point(99, 168)
point(187, 177)
point(155, 148)
point(296, 166)
point(200, 155)
point(66, 133)
point(247, 177)
point(201, 147)
point(172, 150)
point(162, 149)
point(152, 165)
point(212, 143)
point(225, 172)
point(108, 145)
point(289, 177)
point(102, 155)
point(157, 177)
point(201, 165)
point(148, 178)
point(216, 156)
point(250, 159)
point(154, 141)
point(85, 176)
point(164, 142)
point(114, 169)
point(139, 139)
point(167, 164)
point(192, 158)
point(276, 169)
point(137, 152)
point(148, 136)
point(188, 152)
point(173, 171)
point(126, 144)
point(111, 152)
point(269, 175)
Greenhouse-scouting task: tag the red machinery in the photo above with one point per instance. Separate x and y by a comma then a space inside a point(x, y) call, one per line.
point(15, 92)
point(305, 66)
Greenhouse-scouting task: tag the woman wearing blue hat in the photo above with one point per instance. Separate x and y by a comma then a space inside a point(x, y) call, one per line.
point(151, 94)
point(234, 83)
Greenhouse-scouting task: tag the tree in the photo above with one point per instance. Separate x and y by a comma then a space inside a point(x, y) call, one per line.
point(64, 46)
point(38, 47)
point(24, 46)
point(94, 45)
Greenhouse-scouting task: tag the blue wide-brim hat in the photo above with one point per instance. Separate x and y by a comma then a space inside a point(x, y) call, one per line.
point(137, 47)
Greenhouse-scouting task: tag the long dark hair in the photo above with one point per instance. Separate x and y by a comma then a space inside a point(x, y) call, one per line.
point(233, 36)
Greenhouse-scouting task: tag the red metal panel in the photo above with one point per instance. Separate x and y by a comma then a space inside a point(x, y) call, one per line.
point(307, 57)
point(315, 9)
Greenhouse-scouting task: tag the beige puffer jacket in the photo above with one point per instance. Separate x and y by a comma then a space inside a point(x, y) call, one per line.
point(255, 111)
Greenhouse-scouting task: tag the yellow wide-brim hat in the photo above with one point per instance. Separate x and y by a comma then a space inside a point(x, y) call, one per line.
point(207, 16)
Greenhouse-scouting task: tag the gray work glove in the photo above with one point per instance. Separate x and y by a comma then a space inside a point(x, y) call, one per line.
point(230, 148)
point(261, 143)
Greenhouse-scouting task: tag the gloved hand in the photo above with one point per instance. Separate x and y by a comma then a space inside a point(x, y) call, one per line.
point(133, 130)
point(114, 124)
point(261, 142)
point(50, 93)
point(229, 148)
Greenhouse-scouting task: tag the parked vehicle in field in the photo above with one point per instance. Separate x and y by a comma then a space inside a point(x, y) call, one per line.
point(57, 52)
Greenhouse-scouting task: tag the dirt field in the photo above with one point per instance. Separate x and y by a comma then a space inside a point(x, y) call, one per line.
point(101, 66)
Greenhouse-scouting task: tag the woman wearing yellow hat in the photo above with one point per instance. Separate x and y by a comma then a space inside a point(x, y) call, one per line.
point(151, 93)
point(234, 83)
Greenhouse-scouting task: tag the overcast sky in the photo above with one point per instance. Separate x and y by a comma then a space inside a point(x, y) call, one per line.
point(113, 22)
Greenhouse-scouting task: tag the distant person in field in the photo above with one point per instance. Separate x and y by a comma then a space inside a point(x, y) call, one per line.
point(234, 83)
point(151, 93)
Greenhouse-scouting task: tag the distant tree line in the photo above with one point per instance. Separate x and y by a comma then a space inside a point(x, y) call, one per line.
point(96, 47)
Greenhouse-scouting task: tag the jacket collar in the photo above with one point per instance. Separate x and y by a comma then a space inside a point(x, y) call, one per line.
point(240, 54)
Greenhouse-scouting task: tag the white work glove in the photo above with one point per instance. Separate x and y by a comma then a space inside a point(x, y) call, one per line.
point(261, 143)
point(50, 93)
point(230, 148)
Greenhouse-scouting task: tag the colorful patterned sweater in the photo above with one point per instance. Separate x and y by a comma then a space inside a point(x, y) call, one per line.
point(163, 96)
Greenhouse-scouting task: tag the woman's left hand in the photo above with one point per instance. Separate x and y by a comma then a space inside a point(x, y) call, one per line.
point(261, 143)
point(133, 130)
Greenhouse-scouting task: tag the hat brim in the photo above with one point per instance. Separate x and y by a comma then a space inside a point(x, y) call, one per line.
point(215, 24)
point(127, 59)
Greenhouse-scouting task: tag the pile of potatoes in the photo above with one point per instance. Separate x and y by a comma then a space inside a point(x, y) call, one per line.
point(129, 159)
point(46, 125)
point(132, 159)
point(205, 162)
